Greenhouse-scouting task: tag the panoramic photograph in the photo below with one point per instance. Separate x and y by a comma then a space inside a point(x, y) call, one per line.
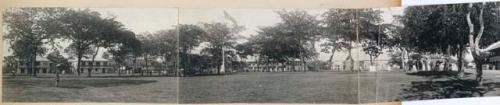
point(229, 55)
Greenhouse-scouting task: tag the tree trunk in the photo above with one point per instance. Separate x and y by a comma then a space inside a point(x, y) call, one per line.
point(460, 61)
point(119, 71)
point(79, 60)
point(330, 61)
point(351, 61)
point(34, 60)
point(403, 63)
point(147, 66)
point(57, 77)
point(479, 73)
point(93, 61)
point(134, 65)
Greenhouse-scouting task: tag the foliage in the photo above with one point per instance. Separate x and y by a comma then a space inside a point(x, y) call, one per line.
point(59, 61)
point(29, 29)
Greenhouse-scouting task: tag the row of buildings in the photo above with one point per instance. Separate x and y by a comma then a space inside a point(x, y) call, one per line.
point(43, 65)
point(98, 66)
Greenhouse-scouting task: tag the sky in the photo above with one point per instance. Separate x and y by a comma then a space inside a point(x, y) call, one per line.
point(140, 20)
point(252, 19)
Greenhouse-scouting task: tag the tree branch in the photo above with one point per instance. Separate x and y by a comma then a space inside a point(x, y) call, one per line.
point(481, 23)
point(471, 28)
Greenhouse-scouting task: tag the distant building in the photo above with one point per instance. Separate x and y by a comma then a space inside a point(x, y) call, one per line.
point(494, 63)
point(98, 66)
point(42, 65)
point(254, 66)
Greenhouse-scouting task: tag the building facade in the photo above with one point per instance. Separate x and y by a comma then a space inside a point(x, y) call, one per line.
point(98, 66)
point(42, 65)
point(254, 66)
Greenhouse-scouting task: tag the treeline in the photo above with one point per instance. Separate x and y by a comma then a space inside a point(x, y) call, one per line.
point(450, 30)
point(33, 32)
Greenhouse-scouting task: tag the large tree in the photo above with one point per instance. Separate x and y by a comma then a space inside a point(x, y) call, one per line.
point(149, 50)
point(345, 26)
point(220, 37)
point(441, 29)
point(167, 44)
point(190, 36)
point(302, 29)
point(125, 49)
point(29, 30)
point(82, 28)
point(488, 27)
point(106, 36)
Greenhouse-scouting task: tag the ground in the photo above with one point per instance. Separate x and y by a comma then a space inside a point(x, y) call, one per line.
point(252, 87)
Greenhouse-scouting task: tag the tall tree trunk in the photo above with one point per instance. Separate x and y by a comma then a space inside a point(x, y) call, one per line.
point(479, 73)
point(134, 65)
point(79, 61)
point(146, 65)
point(34, 60)
point(460, 61)
point(330, 61)
point(349, 57)
point(447, 63)
point(479, 56)
point(93, 61)
point(58, 71)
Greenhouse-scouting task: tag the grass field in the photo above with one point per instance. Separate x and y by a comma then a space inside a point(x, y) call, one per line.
point(252, 87)
point(132, 89)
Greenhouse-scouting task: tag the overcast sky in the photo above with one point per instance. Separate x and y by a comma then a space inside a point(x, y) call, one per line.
point(140, 20)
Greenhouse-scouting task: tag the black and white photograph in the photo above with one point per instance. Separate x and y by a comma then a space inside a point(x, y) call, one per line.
point(251, 55)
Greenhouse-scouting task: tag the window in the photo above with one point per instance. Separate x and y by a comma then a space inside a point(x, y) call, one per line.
point(22, 70)
point(98, 63)
point(37, 63)
point(44, 70)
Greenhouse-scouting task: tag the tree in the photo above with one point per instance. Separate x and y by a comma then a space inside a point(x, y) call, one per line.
point(167, 48)
point(79, 26)
point(220, 37)
point(190, 36)
point(373, 50)
point(451, 37)
point(29, 29)
point(83, 28)
point(420, 23)
point(481, 55)
point(110, 29)
point(127, 46)
point(398, 42)
point(10, 64)
point(147, 49)
point(345, 26)
point(59, 63)
point(301, 28)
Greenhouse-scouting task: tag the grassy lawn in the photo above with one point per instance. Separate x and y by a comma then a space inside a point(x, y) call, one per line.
point(274, 87)
point(132, 89)
point(252, 87)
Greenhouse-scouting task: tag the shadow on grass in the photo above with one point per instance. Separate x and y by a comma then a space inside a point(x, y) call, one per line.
point(80, 84)
point(438, 74)
point(455, 88)
point(75, 84)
